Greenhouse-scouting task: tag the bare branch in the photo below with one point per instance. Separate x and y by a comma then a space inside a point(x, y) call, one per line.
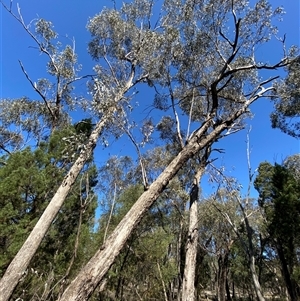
point(37, 90)
point(144, 173)
point(111, 70)
point(190, 116)
point(175, 113)
point(110, 213)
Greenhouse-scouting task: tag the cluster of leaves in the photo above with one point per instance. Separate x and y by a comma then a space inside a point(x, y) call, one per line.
point(279, 192)
point(287, 103)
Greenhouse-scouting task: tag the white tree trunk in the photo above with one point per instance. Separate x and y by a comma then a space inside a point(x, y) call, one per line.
point(255, 280)
point(188, 288)
point(21, 261)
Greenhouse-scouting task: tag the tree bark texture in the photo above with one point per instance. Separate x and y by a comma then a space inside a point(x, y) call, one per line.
point(222, 275)
point(82, 287)
point(21, 261)
point(255, 280)
point(251, 259)
point(188, 289)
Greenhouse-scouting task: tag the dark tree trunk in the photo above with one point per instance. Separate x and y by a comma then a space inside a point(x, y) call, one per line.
point(228, 290)
point(291, 285)
point(222, 275)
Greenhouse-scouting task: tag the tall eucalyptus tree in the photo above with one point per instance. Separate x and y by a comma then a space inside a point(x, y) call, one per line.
point(205, 66)
point(200, 56)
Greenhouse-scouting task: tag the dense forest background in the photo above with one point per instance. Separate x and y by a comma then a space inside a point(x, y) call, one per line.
point(158, 216)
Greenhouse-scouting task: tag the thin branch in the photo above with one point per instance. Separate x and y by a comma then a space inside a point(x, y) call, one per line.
point(284, 62)
point(225, 38)
point(144, 173)
point(4, 149)
point(110, 213)
point(190, 116)
point(111, 70)
point(36, 89)
point(234, 46)
point(249, 166)
point(162, 281)
point(175, 113)
point(21, 21)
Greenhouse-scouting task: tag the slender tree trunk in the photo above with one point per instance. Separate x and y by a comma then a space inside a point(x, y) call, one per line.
point(222, 276)
point(251, 259)
point(250, 252)
point(82, 287)
point(21, 261)
point(188, 289)
point(227, 289)
point(290, 286)
point(162, 281)
point(255, 280)
point(180, 255)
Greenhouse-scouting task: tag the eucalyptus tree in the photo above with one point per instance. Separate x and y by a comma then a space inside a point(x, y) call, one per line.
point(107, 94)
point(24, 118)
point(201, 59)
point(205, 65)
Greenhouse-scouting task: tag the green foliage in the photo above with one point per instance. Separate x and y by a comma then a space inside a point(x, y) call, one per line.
point(279, 192)
point(279, 195)
point(287, 104)
point(144, 256)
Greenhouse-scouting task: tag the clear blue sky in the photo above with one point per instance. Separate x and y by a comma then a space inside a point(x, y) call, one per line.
point(70, 18)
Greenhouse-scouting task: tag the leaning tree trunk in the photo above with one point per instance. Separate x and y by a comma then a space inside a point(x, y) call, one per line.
point(255, 280)
point(188, 289)
point(82, 287)
point(21, 261)
point(251, 258)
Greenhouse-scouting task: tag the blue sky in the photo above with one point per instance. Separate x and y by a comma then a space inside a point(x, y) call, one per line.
point(70, 18)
